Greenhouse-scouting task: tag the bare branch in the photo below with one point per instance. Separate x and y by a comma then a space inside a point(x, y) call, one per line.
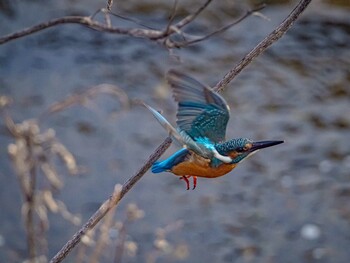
point(88, 21)
point(85, 21)
point(172, 16)
point(171, 29)
point(264, 44)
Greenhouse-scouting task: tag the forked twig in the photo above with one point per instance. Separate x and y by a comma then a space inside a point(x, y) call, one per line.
point(88, 21)
point(219, 31)
point(172, 16)
point(107, 205)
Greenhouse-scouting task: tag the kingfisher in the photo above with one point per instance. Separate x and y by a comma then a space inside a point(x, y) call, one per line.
point(202, 119)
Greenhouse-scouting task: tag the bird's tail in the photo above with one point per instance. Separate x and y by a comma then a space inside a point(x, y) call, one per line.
point(159, 167)
point(166, 125)
point(168, 164)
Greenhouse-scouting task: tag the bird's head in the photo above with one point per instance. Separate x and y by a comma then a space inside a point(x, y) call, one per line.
point(241, 148)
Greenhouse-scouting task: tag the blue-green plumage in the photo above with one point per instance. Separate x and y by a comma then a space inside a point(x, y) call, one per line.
point(202, 118)
point(223, 148)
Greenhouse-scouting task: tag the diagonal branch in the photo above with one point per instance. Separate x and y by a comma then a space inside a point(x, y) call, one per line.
point(188, 19)
point(260, 48)
point(112, 201)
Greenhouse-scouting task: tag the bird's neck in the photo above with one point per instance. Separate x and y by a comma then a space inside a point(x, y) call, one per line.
point(223, 148)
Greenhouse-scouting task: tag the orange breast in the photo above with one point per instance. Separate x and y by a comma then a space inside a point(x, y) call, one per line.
point(198, 166)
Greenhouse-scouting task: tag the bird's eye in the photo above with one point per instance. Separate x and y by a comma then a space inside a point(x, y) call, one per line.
point(243, 149)
point(240, 149)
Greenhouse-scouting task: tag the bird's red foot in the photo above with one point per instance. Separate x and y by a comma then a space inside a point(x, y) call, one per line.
point(185, 178)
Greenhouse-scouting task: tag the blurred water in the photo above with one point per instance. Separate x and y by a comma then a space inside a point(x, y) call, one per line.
point(263, 211)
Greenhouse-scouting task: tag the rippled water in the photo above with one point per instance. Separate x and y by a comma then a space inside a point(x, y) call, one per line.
point(287, 204)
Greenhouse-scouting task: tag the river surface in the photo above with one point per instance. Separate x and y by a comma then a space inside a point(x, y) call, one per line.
point(290, 203)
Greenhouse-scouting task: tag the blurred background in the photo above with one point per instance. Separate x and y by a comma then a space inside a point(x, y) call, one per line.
point(290, 203)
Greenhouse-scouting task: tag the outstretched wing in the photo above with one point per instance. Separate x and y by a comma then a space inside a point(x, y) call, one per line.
point(202, 112)
point(205, 148)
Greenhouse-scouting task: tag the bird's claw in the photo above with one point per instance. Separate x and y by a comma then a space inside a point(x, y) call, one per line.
point(185, 178)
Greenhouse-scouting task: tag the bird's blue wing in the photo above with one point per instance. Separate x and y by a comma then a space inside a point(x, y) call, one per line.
point(202, 112)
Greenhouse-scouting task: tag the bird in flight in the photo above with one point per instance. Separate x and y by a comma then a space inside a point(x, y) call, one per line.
point(202, 118)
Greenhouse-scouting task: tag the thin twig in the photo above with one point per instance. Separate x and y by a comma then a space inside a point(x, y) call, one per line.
point(188, 19)
point(147, 33)
point(170, 29)
point(110, 203)
point(219, 31)
point(172, 16)
point(263, 45)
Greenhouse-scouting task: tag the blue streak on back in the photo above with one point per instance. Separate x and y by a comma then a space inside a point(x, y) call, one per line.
point(205, 142)
point(173, 160)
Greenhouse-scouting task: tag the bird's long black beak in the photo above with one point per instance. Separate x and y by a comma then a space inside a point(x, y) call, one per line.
point(264, 144)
